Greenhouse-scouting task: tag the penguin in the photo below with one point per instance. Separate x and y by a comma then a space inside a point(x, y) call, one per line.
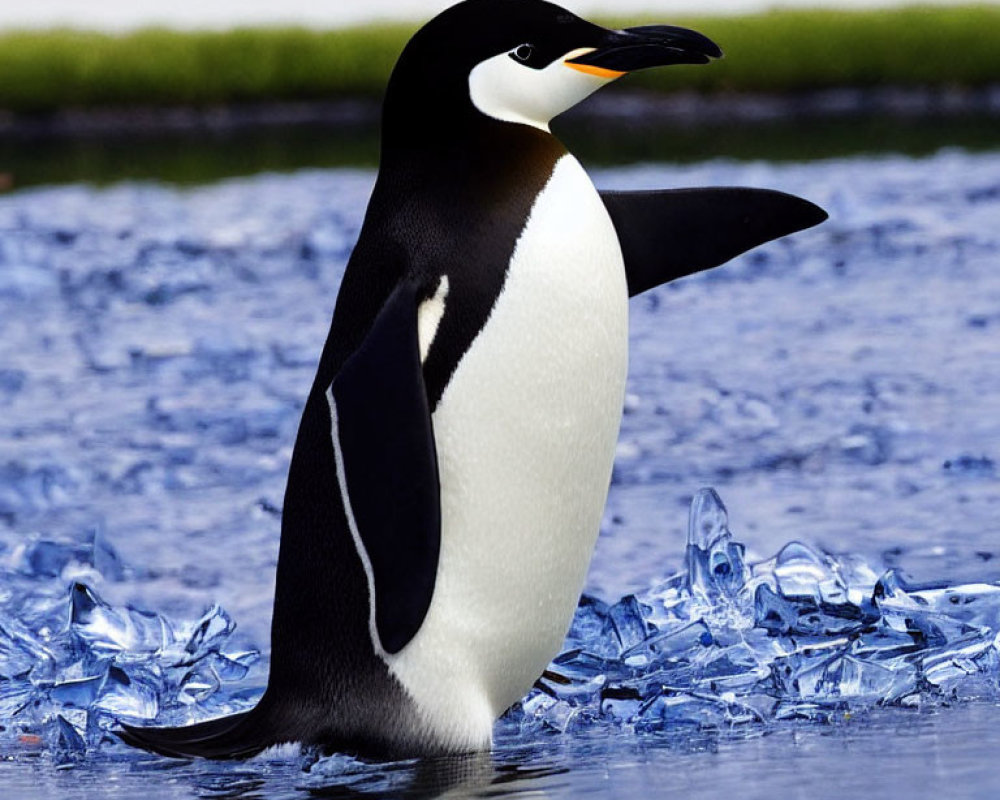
point(454, 455)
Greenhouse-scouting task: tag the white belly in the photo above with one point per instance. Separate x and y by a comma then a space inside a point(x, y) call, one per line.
point(525, 437)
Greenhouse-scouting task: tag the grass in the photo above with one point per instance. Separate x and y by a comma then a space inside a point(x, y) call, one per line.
point(804, 50)
point(775, 51)
point(47, 70)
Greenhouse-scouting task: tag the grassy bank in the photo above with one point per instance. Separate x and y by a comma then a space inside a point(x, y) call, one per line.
point(776, 51)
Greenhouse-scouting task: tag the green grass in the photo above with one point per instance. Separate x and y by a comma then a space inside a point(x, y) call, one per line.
point(42, 71)
point(803, 50)
point(776, 51)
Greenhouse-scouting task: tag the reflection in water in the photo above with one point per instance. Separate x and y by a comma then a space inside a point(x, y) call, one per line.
point(242, 783)
point(495, 774)
point(912, 753)
point(203, 155)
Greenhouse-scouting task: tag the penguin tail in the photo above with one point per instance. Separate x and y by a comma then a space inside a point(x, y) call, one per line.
point(234, 737)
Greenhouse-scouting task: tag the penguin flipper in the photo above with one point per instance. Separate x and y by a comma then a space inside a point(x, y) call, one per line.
point(387, 467)
point(667, 234)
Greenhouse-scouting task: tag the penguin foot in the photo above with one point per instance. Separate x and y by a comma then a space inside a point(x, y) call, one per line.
point(234, 737)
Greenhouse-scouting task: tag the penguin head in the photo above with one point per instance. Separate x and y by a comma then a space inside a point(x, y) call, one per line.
point(525, 61)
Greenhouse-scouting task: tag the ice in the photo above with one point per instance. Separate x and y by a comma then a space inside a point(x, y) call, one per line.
point(806, 635)
point(78, 692)
point(71, 746)
point(715, 566)
point(722, 645)
point(14, 698)
point(198, 684)
point(124, 697)
point(209, 632)
point(73, 665)
point(627, 622)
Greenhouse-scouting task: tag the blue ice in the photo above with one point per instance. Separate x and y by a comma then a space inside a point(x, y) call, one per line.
point(723, 644)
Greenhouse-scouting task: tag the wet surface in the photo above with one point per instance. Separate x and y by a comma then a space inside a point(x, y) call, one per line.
point(838, 388)
point(195, 146)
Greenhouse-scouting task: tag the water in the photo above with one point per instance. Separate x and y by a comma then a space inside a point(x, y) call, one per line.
point(837, 389)
point(618, 130)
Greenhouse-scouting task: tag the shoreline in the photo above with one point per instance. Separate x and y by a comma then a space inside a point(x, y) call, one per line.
point(634, 108)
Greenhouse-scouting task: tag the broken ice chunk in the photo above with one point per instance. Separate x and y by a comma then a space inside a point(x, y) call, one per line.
point(561, 717)
point(590, 619)
point(14, 697)
point(669, 601)
point(787, 709)
point(78, 692)
point(20, 652)
point(574, 677)
point(853, 572)
point(620, 703)
point(715, 565)
point(123, 633)
point(847, 678)
point(70, 746)
point(627, 621)
point(69, 739)
point(101, 628)
point(975, 604)
point(964, 658)
point(578, 665)
point(773, 612)
point(124, 696)
point(669, 646)
point(732, 668)
point(884, 644)
point(680, 709)
point(198, 685)
point(233, 666)
point(208, 634)
point(912, 614)
point(800, 571)
point(537, 704)
point(576, 692)
point(781, 615)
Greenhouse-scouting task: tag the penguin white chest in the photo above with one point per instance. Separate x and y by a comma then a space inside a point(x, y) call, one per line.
point(525, 434)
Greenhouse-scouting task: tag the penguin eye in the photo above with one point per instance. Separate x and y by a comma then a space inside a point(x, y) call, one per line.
point(522, 53)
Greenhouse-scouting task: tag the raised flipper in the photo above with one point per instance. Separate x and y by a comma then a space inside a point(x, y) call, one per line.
point(387, 468)
point(665, 235)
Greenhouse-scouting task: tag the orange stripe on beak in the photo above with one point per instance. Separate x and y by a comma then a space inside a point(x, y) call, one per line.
point(598, 72)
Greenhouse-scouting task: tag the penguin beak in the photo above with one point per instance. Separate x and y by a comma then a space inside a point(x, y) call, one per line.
point(647, 46)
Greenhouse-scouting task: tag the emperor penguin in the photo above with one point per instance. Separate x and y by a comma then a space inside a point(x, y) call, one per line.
point(455, 451)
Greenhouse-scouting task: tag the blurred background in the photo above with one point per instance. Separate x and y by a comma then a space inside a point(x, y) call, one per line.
point(191, 91)
point(119, 14)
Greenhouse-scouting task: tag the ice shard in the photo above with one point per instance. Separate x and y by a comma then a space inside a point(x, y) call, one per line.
point(715, 565)
point(802, 636)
